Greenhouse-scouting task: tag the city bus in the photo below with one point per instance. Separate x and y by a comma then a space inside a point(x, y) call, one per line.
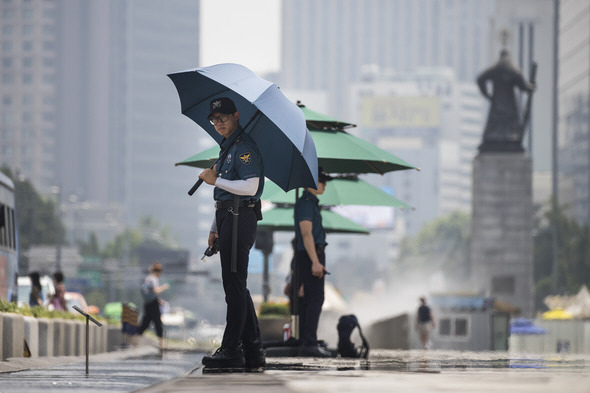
point(8, 240)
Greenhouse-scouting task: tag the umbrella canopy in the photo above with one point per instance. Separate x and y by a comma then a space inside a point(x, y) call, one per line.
point(339, 191)
point(281, 219)
point(320, 121)
point(525, 326)
point(277, 124)
point(337, 152)
point(341, 152)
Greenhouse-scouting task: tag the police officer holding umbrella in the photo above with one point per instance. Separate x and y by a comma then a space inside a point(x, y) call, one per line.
point(238, 178)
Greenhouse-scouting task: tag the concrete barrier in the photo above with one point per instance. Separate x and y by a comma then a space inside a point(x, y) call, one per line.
point(59, 341)
point(53, 337)
point(70, 337)
point(80, 333)
point(46, 336)
point(390, 333)
point(114, 337)
point(13, 336)
point(32, 335)
point(1, 332)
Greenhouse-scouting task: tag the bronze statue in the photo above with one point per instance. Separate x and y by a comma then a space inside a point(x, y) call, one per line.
point(505, 126)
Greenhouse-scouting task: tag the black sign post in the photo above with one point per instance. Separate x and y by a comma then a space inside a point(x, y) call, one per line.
point(88, 318)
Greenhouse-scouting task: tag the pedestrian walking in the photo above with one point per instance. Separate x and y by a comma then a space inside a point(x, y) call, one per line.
point(424, 323)
point(239, 180)
point(151, 290)
point(36, 295)
point(58, 300)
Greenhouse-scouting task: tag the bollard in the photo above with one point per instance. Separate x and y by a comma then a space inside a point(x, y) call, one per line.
point(88, 318)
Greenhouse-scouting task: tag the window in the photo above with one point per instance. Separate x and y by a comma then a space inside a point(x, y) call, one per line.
point(454, 327)
point(503, 284)
point(460, 327)
point(7, 79)
point(444, 327)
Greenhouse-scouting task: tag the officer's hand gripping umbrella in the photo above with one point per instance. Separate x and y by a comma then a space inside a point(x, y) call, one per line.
point(276, 124)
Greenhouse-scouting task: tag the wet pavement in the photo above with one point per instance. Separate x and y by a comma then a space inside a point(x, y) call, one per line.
point(145, 371)
point(127, 371)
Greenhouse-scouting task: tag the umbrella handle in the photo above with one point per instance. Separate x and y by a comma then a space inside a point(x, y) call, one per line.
point(194, 188)
point(200, 181)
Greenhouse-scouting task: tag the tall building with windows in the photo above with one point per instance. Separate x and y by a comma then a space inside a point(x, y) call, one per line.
point(327, 43)
point(433, 121)
point(87, 107)
point(28, 88)
point(574, 109)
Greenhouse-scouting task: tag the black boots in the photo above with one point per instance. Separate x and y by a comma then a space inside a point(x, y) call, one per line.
point(225, 358)
point(235, 358)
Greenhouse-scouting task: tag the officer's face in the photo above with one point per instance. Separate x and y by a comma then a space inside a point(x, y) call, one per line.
point(226, 128)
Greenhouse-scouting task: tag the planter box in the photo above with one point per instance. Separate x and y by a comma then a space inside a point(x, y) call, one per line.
point(271, 329)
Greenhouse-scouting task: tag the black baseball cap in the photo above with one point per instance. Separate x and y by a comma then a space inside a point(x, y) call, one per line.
point(222, 105)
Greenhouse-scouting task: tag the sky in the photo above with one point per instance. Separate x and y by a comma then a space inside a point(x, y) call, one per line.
point(241, 31)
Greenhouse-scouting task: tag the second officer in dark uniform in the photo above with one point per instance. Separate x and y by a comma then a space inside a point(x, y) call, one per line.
point(310, 262)
point(238, 172)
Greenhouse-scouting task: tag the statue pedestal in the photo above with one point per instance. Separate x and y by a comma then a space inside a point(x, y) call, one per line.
point(502, 224)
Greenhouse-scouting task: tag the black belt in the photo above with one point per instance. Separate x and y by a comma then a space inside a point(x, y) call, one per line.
point(230, 203)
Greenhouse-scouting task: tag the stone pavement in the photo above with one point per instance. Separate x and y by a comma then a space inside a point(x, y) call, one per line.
point(143, 370)
point(399, 371)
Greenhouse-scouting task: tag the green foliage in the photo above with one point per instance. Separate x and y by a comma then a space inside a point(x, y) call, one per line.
point(573, 255)
point(90, 247)
point(38, 220)
point(37, 312)
point(441, 245)
point(276, 310)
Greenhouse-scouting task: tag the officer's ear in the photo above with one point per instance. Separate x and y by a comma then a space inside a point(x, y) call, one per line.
point(237, 115)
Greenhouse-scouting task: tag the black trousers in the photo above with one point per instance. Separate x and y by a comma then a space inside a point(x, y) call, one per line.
point(313, 298)
point(241, 321)
point(151, 313)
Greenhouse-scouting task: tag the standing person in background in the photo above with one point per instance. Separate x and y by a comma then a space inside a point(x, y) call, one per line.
point(151, 290)
point(310, 261)
point(424, 323)
point(58, 300)
point(36, 295)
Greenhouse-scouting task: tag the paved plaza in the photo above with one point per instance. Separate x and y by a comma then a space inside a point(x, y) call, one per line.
point(145, 369)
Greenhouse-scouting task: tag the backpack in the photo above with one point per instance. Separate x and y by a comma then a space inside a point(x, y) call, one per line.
point(346, 348)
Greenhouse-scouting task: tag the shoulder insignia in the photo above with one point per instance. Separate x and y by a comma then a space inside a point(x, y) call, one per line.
point(245, 158)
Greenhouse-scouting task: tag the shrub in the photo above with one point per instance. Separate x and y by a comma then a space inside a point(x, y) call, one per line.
point(274, 310)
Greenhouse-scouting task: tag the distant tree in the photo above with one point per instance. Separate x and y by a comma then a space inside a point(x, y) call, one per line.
point(148, 231)
point(573, 255)
point(442, 245)
point(89, 247)
point(37, 217)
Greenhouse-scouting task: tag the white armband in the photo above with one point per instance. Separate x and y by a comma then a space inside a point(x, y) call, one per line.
point(214, 224)
point(238, 187)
